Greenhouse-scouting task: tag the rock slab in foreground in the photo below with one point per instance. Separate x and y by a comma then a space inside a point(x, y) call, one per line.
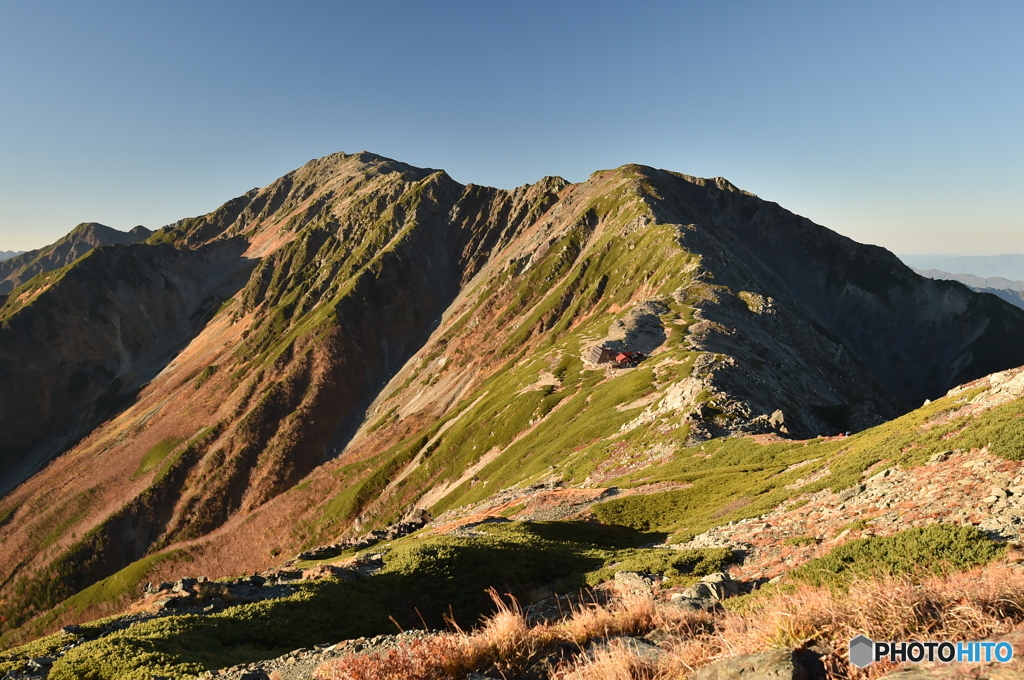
point(774, 664)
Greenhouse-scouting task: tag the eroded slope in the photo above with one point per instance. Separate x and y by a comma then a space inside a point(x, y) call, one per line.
point(402, 341)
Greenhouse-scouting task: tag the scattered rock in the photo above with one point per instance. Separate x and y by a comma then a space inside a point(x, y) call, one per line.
point(717, 586)
point(723, 584)
point(254, 675)
point(850, 493)
point(414, 521)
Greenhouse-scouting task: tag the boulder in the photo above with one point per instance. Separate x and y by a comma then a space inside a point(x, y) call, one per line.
point(693, 603)
point(700, 591)
point(774, 664)
point(634, 583)
point(850, 493)
point(717, 586)
point(184, 585)
point(723, 584)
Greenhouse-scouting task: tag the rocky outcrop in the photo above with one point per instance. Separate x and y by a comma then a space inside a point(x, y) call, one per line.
point(417, 521)
point(841, 327)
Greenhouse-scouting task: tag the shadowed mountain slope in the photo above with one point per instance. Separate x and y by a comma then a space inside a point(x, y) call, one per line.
point(363, 337)
point(21, 267)
point(75, 342)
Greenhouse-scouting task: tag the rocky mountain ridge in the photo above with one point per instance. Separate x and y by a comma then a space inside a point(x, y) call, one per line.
point(19, 268)
point(362, 338)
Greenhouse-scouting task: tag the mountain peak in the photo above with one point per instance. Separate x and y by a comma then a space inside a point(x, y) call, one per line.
point(83, 238)
point(361, 338)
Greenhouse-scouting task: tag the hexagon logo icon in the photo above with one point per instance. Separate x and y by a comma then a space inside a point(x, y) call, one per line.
point(862, 651)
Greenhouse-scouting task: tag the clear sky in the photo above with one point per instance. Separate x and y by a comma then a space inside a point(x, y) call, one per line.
point(896, 123)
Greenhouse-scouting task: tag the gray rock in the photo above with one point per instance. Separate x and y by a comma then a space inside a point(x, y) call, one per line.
point(634, 582)
point(254, 675)
point(681, 601)
point(166, 603)
point(184, 585)
point(722, 584)
point(700, 591)
point(775, 664)
point(853, 491)
point(642, 648)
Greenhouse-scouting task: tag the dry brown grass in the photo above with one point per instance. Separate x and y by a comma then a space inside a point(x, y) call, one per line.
point(983, 603)
point(615, 661)
point(505, 640)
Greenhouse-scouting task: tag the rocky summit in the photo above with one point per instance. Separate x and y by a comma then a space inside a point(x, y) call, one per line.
point(345, 405)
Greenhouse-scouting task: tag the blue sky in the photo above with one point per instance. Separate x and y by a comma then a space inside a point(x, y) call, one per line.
point(893, 123)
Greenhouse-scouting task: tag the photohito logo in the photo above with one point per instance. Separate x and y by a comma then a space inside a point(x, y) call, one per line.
point(864, 651)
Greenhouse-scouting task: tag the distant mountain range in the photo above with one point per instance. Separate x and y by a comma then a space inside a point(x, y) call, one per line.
point(8, 254)
point(985, 266)
point(1011, 291)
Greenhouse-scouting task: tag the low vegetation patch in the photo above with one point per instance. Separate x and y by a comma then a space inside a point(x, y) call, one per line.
point(800, 541)
point(736, 477)
point(424, 580)
point(204, 376)
point(935, 549)
point(156, 455)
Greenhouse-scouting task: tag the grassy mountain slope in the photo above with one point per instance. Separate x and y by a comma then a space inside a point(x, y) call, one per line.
point(400, 340)
point(437, 568)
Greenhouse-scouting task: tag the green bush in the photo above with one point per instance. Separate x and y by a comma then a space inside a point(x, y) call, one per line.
point(156, 455)
point(800, 541)
point(935, 549)
point(204, 376)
